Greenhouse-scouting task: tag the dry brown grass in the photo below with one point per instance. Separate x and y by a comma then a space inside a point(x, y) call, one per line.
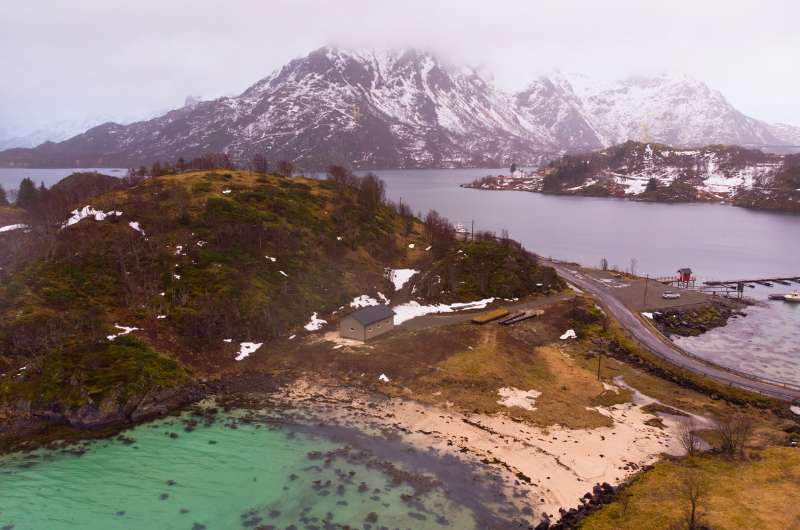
point(759, 493)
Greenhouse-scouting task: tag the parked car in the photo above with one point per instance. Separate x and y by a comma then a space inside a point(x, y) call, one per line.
point(670, 295)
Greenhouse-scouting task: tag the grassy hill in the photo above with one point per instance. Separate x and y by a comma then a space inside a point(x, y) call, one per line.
point(199, 262)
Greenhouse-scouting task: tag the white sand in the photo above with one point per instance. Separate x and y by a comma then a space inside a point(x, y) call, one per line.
point(562, 463)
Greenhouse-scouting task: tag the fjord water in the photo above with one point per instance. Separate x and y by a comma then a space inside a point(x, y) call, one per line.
point(717, 241)
point(214, 477)
point(11, 177)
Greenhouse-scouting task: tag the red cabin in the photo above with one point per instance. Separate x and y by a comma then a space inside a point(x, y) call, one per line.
point(685, 275)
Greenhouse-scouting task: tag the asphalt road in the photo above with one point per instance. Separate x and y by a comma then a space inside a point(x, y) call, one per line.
point(659, 345)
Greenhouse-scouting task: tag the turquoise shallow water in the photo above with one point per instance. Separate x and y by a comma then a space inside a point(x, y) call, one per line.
point(226, 476)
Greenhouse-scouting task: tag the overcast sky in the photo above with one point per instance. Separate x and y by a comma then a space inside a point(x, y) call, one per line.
point(76, 59)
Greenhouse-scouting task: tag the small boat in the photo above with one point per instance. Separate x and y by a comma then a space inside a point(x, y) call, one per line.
point(792, 297)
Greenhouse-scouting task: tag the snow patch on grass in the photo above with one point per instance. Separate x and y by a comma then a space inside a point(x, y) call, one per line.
point(363, 301)
point(88, 211)
point(124, 330)
point(413, 309)
point(399, 277)
point(569, 334)
point(246, 348)
point(9, 228)
point(315, 323)
point(514, 397)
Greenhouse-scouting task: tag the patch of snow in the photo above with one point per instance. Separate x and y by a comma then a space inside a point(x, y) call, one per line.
point(9, 228)
point(363, 301)
point(315, 323)
point(227, 340)
point(399, 277)
point(273, 260)
point(514, 397)
point(177, 276)
point(124, 330)
point(610, 388)
point(178, 250)
point(795, 409)
point(411, 245)
point(574, 288)
point(88, 211)
point(284, 273)
point(246, 348)
point(431, 246)
point(135, 226)
point(291, 337)
point(338, 238)
point(383, 298)
point(383, 379)
point(161, 317)
point(569, 334)
point(413, 309)
point(648, 315)
point(226, 191)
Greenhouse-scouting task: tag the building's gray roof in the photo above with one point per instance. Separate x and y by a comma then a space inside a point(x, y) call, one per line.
point(371, 314)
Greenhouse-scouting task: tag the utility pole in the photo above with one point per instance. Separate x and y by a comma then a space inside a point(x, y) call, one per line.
point(472, 230)
point(646, 281)
point(599, 360)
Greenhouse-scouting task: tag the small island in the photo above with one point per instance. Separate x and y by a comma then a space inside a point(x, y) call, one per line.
point(660, 173)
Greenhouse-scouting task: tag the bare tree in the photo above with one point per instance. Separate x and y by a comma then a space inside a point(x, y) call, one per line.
point(693, 490)
point(286, 168)
point(733, 433)
point(687, 436)
point(260, 163)
point(604, 264)
point(634, 266)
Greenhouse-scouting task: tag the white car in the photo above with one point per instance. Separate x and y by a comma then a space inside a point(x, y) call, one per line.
point(670, 295)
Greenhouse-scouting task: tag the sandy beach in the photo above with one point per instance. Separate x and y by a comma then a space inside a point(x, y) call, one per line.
point(543, 470)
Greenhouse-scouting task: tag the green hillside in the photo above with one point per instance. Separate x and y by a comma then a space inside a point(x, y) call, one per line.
point(199, 262)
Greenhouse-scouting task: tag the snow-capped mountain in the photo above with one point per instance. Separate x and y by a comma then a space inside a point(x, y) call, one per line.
point(675, 110)
point(373, 109)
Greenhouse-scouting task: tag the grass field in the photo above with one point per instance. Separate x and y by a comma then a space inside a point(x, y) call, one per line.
point(760, 493)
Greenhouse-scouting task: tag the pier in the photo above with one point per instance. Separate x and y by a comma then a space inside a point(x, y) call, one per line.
point(766, 282)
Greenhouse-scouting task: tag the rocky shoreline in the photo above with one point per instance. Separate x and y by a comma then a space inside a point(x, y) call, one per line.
point(694, 321)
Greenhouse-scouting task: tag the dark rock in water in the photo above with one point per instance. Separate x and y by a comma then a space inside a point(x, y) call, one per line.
point(372, 517)
point(163, 496)
point(417, 516)
point(212, 442)
point(173, 435)
point(198, 526)
point(274, 513)
point(183, 511)
point(171, 482)
point(362, 488)
point(292, 477)
point(8, 527)
point(291, 527)
point(120, 513)
point(341, 503)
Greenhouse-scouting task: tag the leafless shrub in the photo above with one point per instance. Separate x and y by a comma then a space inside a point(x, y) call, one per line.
point(687, 436)
point(733, 433)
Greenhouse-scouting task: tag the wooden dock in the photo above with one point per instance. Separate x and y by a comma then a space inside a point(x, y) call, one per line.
point(766, 282)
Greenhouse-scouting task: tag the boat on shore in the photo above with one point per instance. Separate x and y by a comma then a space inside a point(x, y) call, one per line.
point(787, 297)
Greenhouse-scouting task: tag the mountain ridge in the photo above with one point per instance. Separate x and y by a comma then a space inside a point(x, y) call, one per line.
point(406, 109)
